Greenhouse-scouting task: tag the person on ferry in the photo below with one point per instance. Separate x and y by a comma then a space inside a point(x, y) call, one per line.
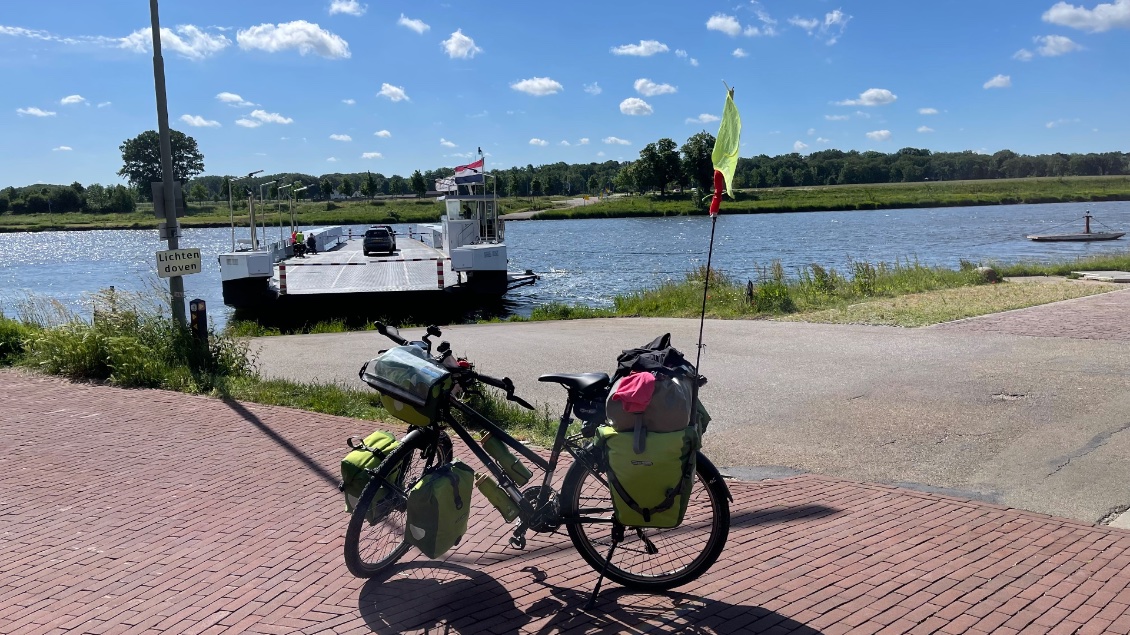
point(311, 245)
point(299, 245)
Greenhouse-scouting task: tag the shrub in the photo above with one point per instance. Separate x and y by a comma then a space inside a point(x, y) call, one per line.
point(772, 296)
point(13, 334)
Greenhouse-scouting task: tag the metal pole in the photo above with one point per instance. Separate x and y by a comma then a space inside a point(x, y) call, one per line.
point(176, 283)
point(232, 210)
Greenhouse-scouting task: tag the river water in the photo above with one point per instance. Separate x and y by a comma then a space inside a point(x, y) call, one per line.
point(590, 261)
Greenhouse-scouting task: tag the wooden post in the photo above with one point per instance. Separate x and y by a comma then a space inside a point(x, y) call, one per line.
point(282, 278)
point(439, 272)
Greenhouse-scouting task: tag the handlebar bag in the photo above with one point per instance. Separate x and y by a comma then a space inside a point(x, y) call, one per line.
point(438, 508)
point(355, 467)
point(651, 485)
point(411, 386)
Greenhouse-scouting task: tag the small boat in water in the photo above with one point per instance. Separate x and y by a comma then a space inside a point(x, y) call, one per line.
point(1087, 234)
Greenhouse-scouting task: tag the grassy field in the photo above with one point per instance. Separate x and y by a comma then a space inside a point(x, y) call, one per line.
point(218, 215)
point(862, 197)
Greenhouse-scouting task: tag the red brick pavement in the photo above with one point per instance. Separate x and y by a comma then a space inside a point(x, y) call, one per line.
point(155, 512)
point(1096, 317)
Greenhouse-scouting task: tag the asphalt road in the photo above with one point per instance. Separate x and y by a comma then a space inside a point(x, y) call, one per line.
point(1033, 422)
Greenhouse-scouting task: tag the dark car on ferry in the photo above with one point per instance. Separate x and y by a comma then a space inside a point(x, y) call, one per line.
point(378, 239)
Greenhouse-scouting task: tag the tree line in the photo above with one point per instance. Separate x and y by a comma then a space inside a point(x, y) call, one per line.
point(661, 166)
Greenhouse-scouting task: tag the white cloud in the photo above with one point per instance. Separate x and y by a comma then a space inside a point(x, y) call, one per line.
point(196, 121)
point(1060, 122)
point(879, 135)
point(927, 111)
point(862, 115)
point(103, 104)
point(925, 129)
point(394, 93)
point(270, 117)
point(1104, 17)
point(617, 141)
point(635, 106)
point(233, 99)
point(584, 141)
point(648, 88)
point(72, 99)
point(538, 142)
point(372, 155)
point(723, 23)
point(341, 137)
point(35, 112)
point(188, 41)
point(563, 143)
point(811, 131)
point(703, 118)
point(837, 117)
point(332, 159)
point(1024, 55)
point(538, 86)
point(460, 46)
point(248, 123)
point(680, 53)
point(384, 134)
point(739, 53)
point(822, 140)
point(349, 7)
point(1000, 81)
point(1055, 45)
point(445, 143)
point(808, 24)
point(694, 62)
point(301, 35)
point(62, 149)
point(799, 145)
point(600, 154)
point(593, 88)
point(349, 102)
point(871, 97)
point(646, 48)
point(416, 25)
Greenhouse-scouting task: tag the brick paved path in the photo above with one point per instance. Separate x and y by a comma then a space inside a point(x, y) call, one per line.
point(1105, 316)
point(147, 511)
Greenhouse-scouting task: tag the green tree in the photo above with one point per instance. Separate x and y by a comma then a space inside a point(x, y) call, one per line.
point(419, 185)
point(3, 204)
point(347, 187)
point(535, 187)
point(396, 184)
point(369, 185)
point(37, 204)
point(96, 198)
point(698, 168)
point(198, 192)
point(594, 185)
point(625, 180)
point(123, 200)
point(326, 187)
point(65, 199)
point(225, 185)
point(141, 159)
point(77, 187)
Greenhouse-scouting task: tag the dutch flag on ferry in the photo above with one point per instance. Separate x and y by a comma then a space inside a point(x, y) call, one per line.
point(470, 173)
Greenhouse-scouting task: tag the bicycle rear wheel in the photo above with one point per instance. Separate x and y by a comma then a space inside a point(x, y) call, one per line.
point(682, 553)
point(374, 539)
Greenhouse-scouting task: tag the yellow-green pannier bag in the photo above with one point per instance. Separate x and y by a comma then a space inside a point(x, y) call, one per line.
point(650, 488)
point(438, 508)
point(411, 386)
point(366, 455)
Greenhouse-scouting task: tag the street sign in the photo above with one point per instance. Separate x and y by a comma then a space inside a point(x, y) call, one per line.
point(178, 262)
point(159, 198)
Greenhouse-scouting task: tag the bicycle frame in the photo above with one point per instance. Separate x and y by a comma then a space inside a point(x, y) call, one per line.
point(526, 510)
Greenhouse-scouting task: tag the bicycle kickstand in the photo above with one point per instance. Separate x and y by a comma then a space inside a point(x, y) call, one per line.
point(617, 538)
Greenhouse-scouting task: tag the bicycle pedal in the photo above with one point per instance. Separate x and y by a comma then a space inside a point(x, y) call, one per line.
point(518, 542)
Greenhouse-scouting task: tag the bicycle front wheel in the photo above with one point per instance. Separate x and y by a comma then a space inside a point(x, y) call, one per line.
point(374, 539)
point(648, 559)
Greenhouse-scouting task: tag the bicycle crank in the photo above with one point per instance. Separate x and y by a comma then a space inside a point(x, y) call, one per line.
point(545, 518)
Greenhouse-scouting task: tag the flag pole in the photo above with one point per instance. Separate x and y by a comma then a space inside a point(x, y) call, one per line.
point(705, 289)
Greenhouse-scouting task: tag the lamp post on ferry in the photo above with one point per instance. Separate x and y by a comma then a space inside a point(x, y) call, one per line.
point(278, 197)
point(231, 183)
point(293, 218)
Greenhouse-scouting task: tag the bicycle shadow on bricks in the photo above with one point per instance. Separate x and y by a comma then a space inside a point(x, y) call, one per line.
point(281, 441)
point(438, 597)
point(779, 514)
point(621, 610)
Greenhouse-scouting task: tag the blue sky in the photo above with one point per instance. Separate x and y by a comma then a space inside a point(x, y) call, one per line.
point(321, 86)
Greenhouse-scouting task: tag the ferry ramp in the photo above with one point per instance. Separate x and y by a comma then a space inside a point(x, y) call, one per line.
point(414, 266)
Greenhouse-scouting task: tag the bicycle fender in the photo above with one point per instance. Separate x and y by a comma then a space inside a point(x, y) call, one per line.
point(713, 475)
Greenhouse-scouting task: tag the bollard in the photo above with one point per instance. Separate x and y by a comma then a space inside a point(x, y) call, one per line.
point(439, 272)
point(198, 319)
point(282, 278)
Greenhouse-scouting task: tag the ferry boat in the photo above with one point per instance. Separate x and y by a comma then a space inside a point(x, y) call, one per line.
point(456, 265)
